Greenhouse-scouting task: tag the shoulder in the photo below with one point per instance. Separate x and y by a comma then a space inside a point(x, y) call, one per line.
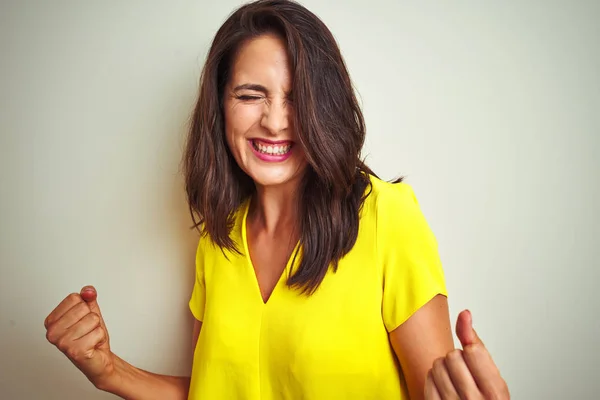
point(399, 221)
point(206, 244)
point(392, 200)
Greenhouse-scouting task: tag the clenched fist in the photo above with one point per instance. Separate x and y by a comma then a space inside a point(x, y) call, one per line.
point(77, 329)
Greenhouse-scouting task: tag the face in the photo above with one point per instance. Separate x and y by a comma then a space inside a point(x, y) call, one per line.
point(258, 114)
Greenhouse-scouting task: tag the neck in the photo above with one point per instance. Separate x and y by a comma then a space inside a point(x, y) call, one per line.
point(274, 209)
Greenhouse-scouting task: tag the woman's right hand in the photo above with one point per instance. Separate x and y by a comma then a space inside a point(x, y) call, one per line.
point(77, 329)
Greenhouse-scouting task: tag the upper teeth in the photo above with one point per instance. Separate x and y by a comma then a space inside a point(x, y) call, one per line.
point(273, 149)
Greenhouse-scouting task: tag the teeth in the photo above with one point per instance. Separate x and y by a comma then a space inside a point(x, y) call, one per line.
point(272, 150)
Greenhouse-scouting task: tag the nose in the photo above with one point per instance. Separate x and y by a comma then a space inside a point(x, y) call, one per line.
point(276, 117)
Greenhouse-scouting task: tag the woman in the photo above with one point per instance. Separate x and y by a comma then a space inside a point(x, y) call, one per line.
point(314, 279)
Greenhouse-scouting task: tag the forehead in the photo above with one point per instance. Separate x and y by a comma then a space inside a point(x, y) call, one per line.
point(262, 60)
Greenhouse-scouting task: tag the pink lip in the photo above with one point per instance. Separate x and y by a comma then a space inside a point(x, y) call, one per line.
point(271, 157)
point(272, 141)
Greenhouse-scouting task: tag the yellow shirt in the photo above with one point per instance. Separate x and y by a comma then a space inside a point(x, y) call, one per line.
point(331, 345)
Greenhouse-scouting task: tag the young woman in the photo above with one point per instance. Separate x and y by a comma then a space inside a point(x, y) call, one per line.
point(314, 279)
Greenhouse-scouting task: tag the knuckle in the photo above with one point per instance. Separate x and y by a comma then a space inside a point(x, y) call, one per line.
point(86, 306)
point(49, 321)
point(50, 336)
point(79, 311)
point(429, 377)
point(62, 345)
point(74, 298)
point(94, 318)
point(72, 353)
point(438, 363)
point(84, 311)
point(82, 308)
point(102, 336)
point(454, 355)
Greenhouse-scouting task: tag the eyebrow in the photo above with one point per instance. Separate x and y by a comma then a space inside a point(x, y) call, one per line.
point(251, 86)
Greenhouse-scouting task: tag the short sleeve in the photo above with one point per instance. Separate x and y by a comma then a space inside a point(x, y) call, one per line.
point(407, 249)
point(198, 299)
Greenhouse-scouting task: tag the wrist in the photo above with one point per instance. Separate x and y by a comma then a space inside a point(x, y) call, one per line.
point(112, 379)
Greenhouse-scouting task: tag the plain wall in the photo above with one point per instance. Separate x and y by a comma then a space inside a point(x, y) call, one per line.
point(490, 110)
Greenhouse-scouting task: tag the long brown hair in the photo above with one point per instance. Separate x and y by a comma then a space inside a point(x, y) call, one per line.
point(330, 128)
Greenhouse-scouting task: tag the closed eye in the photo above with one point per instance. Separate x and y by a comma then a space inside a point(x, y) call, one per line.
point(247, 97)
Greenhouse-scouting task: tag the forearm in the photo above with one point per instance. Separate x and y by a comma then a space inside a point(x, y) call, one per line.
point(131, 383)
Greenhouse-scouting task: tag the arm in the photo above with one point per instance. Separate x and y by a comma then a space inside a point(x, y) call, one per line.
point(422, 340)
point(418, 342)
point(132, 383)
point(77, 329)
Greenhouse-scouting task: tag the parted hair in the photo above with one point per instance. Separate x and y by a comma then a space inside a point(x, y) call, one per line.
point(330, 129)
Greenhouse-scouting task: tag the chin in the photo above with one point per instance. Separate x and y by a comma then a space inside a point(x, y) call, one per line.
point(271, 179)
point(273, 176)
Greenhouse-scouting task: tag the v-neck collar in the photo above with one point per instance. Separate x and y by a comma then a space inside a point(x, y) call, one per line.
point(284, 273)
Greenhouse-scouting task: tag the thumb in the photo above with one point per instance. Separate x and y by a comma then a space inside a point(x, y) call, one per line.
point(89, 295)
point(464, 329)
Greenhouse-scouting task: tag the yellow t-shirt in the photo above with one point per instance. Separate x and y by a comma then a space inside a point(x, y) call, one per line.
point(331, 345)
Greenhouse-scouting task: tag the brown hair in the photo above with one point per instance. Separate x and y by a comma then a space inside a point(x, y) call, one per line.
point(331, 131)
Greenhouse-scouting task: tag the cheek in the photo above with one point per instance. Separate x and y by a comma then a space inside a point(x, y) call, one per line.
point(239, 122)
point(230, 141)
point(230, 131)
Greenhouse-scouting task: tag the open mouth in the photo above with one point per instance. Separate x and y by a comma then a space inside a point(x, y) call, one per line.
point(272, 149)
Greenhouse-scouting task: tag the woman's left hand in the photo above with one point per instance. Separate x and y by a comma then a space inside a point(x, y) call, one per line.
point(466, 374)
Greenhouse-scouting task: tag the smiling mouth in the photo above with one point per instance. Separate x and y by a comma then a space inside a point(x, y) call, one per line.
point(279, 149)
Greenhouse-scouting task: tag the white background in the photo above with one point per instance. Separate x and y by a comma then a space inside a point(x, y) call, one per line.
point(490, 109)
